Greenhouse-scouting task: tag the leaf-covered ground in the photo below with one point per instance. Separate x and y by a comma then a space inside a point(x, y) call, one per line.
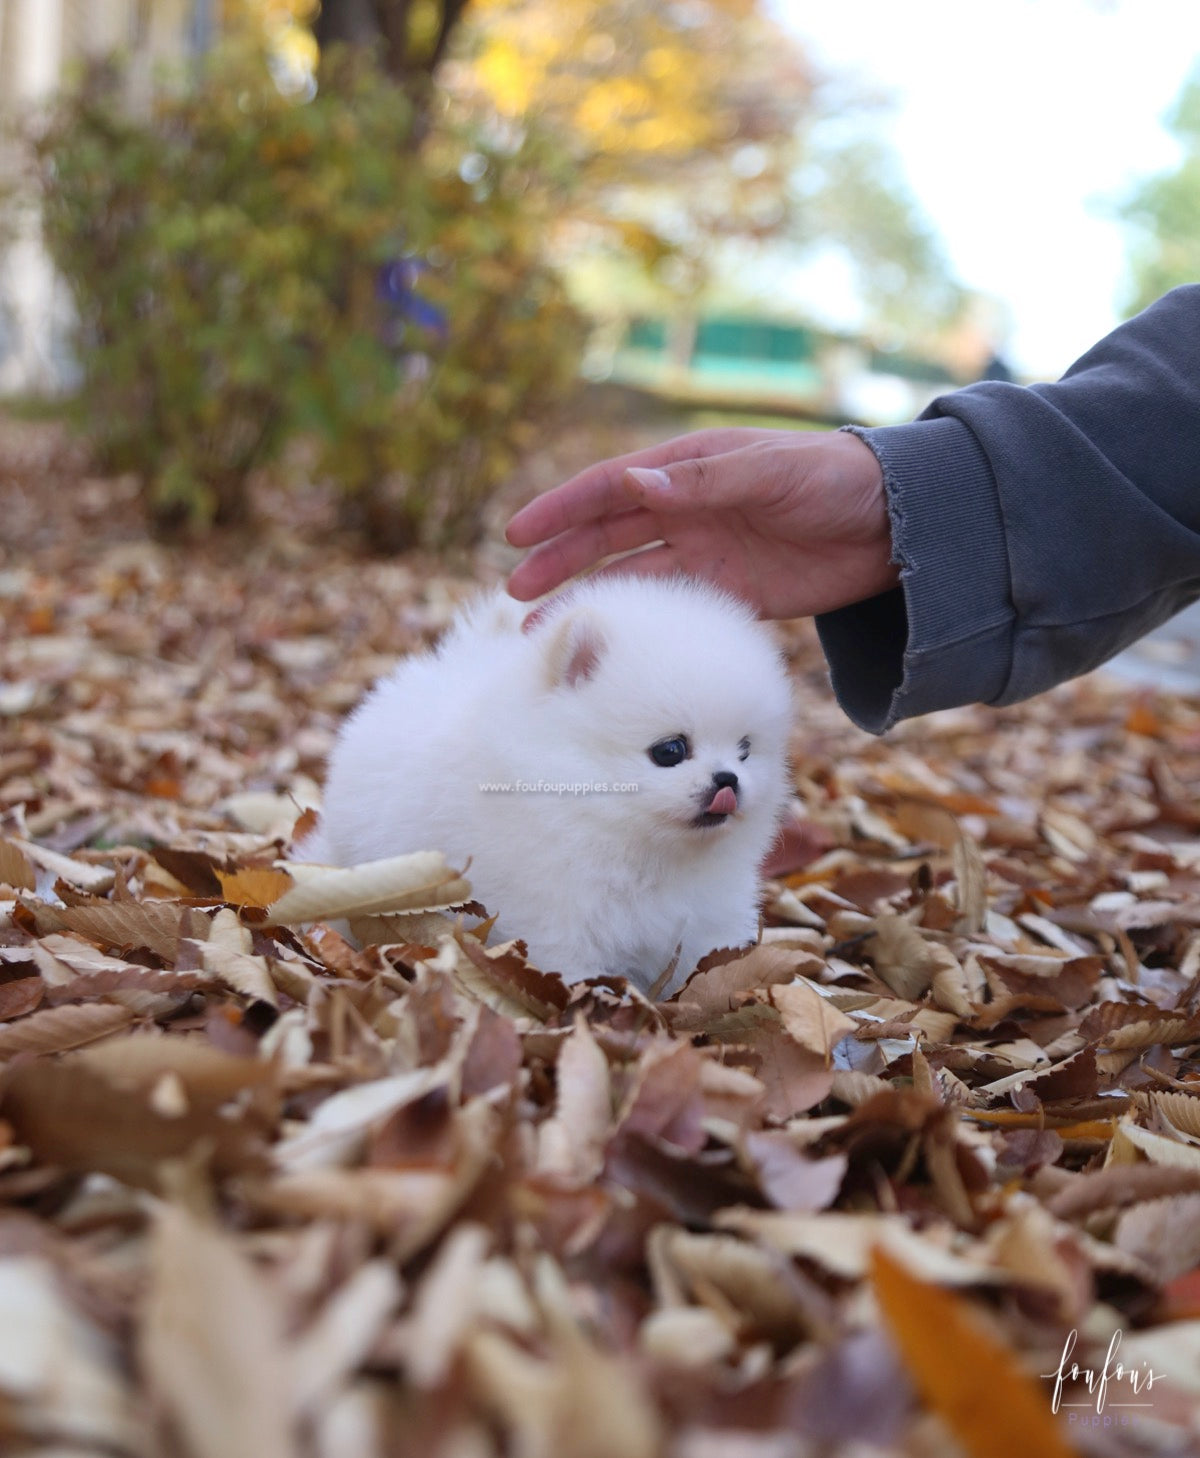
point(265, 1193)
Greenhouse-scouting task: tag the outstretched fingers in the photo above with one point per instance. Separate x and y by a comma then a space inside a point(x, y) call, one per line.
point(604, 489)
point(596, 493)
point(573, 550)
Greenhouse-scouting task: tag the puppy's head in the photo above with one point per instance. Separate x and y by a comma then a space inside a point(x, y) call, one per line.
point(673, 707)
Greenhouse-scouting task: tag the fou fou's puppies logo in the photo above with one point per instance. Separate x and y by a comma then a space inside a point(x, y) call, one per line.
point(1106, 1396)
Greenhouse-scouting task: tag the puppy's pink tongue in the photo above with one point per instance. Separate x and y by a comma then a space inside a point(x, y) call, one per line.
point(724, 802)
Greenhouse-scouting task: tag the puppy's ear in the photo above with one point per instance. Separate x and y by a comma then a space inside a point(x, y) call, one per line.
point(574, 651)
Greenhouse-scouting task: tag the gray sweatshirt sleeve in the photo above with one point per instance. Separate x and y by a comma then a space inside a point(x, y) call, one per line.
point(1038, 529)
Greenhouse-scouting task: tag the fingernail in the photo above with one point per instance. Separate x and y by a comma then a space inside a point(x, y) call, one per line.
point(650, 479)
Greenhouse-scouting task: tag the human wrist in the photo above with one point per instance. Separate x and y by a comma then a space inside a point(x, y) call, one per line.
point(945, 637)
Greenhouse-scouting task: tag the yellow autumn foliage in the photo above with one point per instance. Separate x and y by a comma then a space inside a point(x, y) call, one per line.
point(624, 78)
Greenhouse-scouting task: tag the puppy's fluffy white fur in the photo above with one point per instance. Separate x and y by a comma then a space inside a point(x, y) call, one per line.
point(530, 755)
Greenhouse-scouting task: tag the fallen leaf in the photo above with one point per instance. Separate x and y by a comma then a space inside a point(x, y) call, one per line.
point(810, 1019)
point(970, 1379)
point(259, 886)
point(571, 1143)
point(334, 1345)
point(791, 1180)
point(59, 1371)
point(212, 1344)
point(445, 1306)
point(907, 961)
point(1164, 1234)
point(74, 1119)
point(418, 882)
point(55, 1029)
point(708, 994)
point(16, 870)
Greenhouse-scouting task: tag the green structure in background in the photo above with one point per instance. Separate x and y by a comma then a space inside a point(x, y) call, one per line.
point(769, 363)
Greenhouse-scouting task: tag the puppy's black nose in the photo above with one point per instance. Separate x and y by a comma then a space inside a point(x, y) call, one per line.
point(724, 778)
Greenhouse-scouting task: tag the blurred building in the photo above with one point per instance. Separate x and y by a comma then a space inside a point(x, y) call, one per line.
point(40, 42)
point(778, 365)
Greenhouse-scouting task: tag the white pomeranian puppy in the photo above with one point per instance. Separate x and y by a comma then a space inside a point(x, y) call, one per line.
point(614, 775)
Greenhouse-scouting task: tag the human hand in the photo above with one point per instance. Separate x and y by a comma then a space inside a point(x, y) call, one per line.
point(793, 522)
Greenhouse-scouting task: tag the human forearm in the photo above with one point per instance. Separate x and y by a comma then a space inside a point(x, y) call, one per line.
point(1074, 527)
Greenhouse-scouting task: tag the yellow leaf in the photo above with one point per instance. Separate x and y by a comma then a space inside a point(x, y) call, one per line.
point(971, 1380)
point(254, 885)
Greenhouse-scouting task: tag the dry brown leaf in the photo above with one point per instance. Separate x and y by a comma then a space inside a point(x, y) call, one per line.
point(812, 1020)
point(63, 960)
point(664, 1102)
point(1180, 1110)
point(212, 1345)
point(415, 928)
point(1074, 1078)
point(60, 1373)
point(75, 873)
point(687, 1337)
point(16, 869)
point(907, 961)
point(934, 820)
point(1121, 1026)
point(124, 926)
point(227, 954)
point(571, 1143)
point(483, 981)
point(536, 993)
point(730, 1093)
point(970, 876)
point(1171, 1352)
point(793, 1078)
point(791, 1180)
point(1130, 1141)
point(411, 1206)
point(337, 1132)
point(18, 997)
point(72, 1118)
point(1163, 1234)
point(210, 1076)
point(334, 1345)
point(744, 1283)
point(842, 1243)
point(581, 1401)
point(1035, 1250)
point(55, 1029)
point(721, 989)
point(445, 1305)
point(1118, 1186)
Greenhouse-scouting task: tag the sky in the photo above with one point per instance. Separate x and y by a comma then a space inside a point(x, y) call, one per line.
point(1015, 121)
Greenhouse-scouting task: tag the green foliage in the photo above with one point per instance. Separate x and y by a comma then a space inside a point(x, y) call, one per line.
point(226, 251)
point(1164, 212)
point(851, 195)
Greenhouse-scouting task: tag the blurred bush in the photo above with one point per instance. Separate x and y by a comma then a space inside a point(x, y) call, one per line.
point(250, 267)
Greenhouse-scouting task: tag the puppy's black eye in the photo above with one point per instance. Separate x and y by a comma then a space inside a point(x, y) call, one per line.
point(744, 749)
point(668, 752)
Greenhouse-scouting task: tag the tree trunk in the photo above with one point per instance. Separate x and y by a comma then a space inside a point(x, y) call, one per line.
point(386, 23)
point(346, 22)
